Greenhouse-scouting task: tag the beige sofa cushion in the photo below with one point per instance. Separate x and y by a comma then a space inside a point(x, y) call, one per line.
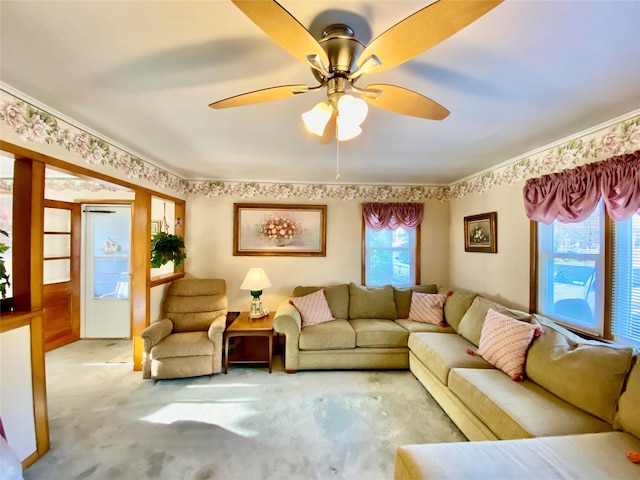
point(184, 344)
point(403, 297)
point(337, 298)
point(628, 416)
point(372, 302)
point(379, 333)
point(412, 326)
point(587, 374)
point(332, 335)
point(471, 324)
point(440, 353)
point(456, 305)
point(595, 456)
point(518, 409)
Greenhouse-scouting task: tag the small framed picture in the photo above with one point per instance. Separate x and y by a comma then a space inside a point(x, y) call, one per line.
point(155, 227)
point(481, 233)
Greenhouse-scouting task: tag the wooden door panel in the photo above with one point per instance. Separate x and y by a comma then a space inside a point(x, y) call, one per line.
point(62, 299)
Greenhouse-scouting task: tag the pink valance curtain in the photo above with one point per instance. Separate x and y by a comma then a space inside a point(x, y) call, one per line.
point(392, 215)
point(573, 195)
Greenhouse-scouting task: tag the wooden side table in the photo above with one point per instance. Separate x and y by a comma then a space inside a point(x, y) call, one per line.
point(243, 326)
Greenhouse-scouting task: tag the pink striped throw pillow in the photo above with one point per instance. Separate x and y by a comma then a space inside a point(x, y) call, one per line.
point(427, 307)
point(313, 308)
point(504, 343)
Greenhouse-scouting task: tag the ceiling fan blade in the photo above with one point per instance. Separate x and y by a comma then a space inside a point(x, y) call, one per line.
point(329, 133)
point(283, 28)
point(423, 30)
point(406, 102)
point(259, 96)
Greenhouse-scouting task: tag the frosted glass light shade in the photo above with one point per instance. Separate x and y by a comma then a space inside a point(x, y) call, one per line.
point(352, 110)
point(317, 118)
point(346, 130)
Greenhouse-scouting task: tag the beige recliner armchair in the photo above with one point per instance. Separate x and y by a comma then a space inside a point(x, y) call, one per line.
point(187, 341)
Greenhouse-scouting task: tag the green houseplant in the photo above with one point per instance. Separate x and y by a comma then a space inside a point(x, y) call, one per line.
point(4, 275)
point(166, 247)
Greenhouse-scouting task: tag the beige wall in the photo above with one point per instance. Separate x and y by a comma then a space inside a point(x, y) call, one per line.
point(209, 242)
point(503, 276)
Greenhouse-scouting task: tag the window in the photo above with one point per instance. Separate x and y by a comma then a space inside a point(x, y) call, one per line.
point(391, 257)
point(572, 280)
point(570, 272)
point(625, 282)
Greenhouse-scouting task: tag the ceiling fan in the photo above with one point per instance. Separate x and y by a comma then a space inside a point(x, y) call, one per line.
point(339, 59)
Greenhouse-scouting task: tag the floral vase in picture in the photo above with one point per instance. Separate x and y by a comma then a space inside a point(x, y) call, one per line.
point(279, 228)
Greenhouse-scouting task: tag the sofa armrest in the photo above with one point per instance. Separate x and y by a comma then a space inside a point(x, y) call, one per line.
point(287, 319)
point(156, 332)
point(289, 322)
point(217, 327)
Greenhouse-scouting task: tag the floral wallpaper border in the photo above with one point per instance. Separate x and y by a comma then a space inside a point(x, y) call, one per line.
point(34, 125)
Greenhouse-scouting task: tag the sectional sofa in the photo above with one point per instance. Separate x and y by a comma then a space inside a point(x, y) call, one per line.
point(575, 415)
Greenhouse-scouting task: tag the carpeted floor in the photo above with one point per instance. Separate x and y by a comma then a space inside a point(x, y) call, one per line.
point(108, 423)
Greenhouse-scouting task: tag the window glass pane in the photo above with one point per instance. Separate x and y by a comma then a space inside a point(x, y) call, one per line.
point(570, 272)
point(57, 220)
point(390, 257)
point(57, 245)
point(111, 257)
point(626, 281)
point(56, 271)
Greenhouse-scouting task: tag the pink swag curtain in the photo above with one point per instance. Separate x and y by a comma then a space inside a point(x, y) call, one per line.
point(572, 195)
point(392, 215)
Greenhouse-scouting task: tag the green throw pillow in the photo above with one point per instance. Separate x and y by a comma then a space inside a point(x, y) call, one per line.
point(372, 302)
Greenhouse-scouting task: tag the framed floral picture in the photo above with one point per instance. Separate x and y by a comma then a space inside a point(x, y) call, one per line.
point(481, 233)
point(279, 230)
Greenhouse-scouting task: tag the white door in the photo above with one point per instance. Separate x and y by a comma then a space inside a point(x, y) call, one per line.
point(107, 246)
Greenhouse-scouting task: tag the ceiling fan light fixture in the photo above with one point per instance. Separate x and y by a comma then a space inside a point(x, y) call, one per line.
point(352, 110)
point(317, 118)
point(346, 130)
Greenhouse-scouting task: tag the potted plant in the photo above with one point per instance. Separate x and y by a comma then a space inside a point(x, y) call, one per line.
point(166, 247)
point(4, 275)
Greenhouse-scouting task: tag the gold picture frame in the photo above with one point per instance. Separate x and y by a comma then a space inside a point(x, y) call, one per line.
point(271, 229)
point(481, 233)
point(156, 226)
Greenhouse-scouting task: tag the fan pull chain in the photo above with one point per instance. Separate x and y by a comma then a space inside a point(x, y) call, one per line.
point(337, 154)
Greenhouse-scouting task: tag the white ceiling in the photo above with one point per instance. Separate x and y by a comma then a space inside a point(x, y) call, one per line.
point(142, 73)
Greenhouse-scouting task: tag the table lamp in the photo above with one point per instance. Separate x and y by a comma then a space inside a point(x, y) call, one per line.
point(256, 280)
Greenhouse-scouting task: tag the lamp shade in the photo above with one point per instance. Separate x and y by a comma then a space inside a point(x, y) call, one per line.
point(317, 118)
point(255, 280)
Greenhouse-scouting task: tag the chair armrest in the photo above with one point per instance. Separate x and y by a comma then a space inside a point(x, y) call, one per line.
point(156, 332)
point(287, 319)
point(217, 326)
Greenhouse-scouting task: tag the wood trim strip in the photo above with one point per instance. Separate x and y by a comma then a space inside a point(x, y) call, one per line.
point(166, 278)
point(533, 266)
point(39, 383)
point(19, 151)
point(13, 320)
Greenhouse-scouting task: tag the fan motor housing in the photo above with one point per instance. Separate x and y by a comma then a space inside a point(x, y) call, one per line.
point(342, 48)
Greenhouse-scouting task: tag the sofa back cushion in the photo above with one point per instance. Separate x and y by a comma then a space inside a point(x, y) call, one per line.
point(403, 297)
point(337, 297)
point(193, 304)
point(456, 305)
point(372, 302)
point(628, 416)
point(588, 374)
point(470, 326)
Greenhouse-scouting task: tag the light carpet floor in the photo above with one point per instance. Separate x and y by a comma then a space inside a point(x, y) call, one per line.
point(106, 422)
